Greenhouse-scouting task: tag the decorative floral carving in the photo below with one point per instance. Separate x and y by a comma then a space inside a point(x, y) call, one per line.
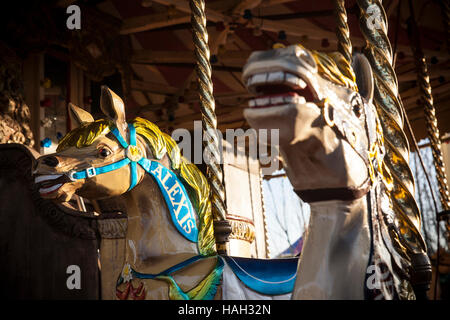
point(14, 113)
point(241, 228)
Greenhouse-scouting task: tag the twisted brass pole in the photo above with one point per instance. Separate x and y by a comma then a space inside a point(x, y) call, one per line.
point(211, 142)
point(423, 80)
point(408, 240)
point(342, 30)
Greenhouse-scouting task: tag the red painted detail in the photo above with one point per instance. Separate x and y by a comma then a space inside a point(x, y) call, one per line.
point(123, 295)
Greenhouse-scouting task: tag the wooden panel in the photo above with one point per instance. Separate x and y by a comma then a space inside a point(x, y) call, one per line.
point(112, 261)
point(39, 240)
point(259, 246)
point(244, 204)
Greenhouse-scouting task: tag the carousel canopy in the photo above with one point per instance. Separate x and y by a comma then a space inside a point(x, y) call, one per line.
point(150, 43)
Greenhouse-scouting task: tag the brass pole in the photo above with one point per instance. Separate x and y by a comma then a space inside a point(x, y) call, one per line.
point(211, 143)
point(408, 240)
point(423, 80)
point(342, 30)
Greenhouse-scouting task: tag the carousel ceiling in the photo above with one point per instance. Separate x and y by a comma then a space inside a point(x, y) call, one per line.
point(150, 42)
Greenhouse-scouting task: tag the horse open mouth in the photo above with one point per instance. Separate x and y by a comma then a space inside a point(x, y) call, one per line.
point(278, 88)
point(50, 183)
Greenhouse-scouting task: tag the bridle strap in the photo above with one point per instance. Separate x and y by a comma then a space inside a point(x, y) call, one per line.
point(327, 194)
point(94, 171)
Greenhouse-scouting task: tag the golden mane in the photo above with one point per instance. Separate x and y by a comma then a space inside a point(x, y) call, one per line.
point(84, 135)
point(160, 143)
point(198, 187)
point(335, 68)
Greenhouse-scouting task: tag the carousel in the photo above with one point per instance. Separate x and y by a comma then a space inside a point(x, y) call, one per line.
point(227, 150)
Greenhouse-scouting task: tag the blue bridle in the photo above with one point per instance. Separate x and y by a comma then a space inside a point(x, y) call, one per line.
point(128, 160)
point(175, 195)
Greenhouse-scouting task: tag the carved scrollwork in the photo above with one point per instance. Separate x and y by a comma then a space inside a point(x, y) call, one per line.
point(17, 160)
point(113, 228)
point(241, 228)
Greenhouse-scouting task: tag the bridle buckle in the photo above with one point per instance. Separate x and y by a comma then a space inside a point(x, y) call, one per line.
point(90, 172)
point(71, 174)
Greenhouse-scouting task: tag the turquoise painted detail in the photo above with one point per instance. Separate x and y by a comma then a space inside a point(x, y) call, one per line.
point(175, 195)
point(266, 276)
point(205, 290)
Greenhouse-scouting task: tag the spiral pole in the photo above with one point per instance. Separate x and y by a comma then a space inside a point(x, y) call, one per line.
point(407, 240)
point(342, 30)
point(423, 80)
point(211, 142)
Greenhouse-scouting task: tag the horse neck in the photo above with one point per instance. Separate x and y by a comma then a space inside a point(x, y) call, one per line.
point(153, 243)
point(336, 251)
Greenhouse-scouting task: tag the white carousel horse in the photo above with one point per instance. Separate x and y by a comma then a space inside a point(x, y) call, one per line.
point(331, 145)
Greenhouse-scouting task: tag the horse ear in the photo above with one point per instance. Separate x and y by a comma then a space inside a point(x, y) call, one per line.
point(113, 107)
point(77, 115)
point(364, 76)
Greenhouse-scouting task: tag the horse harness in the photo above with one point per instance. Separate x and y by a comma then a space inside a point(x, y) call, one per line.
point(175, 195)
point(372, 157)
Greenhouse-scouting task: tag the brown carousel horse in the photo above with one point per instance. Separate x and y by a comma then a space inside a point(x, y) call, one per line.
point(170, 245)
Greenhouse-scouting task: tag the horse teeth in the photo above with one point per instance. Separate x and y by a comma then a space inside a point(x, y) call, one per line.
point(295, 99)
point(46, 177)
point(296, 81)
point(258, 78)
point(50, 189)
point(289, 99)
point(301, 100)
point(276, 100)
point(251, 103)
point(262, 101)
point(292, 79)
point(302, 84)
point(275, 76)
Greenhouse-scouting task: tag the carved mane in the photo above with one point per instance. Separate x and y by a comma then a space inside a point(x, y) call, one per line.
point(335, 68)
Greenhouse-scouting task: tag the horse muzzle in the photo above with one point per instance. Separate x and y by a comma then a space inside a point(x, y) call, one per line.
point(49, 184)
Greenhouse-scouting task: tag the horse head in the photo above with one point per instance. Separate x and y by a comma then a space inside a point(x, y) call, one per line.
point(91, 144)
point(331, 142)
point(323, 110)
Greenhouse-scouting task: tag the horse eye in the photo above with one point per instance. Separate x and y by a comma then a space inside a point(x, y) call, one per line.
point(357, 106)
point(104, 152)
point(357, 110)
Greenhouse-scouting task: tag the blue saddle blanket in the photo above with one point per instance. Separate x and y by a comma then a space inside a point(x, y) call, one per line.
point(266, 276)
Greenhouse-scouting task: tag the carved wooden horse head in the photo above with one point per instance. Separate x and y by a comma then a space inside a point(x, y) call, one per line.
point(332, 147)
point(325, 120)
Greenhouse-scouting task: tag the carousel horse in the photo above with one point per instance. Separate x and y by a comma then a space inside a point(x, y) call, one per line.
point(170, 247)
point(332, 147)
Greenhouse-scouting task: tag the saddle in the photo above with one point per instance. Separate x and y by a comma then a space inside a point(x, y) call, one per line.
point(265, 276)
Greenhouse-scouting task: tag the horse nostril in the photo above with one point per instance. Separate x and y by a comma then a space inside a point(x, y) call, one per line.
point(50, 161)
